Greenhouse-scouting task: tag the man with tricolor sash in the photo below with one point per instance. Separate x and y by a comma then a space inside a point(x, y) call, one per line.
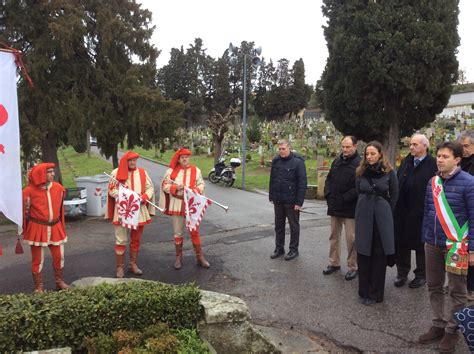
point(448, 233)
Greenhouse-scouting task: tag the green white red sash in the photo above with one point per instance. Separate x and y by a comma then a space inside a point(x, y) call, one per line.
point(456, 241)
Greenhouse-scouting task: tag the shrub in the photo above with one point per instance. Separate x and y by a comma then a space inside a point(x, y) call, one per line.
point(65, 318)
point(154, 339)
point(101, 344)
point(189, 341)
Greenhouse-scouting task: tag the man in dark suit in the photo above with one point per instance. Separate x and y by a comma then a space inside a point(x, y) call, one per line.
point(466, 139)
point(288, 184)
point(341, 196)
point(414, 173)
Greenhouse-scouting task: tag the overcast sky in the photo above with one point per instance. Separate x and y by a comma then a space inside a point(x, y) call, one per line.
point(284, 29)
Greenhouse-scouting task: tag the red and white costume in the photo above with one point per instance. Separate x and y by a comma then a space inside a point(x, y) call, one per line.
point(140, 182)
point(43, 221)
point(171, 200)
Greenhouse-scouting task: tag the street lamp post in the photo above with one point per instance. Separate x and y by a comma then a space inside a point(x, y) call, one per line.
point(255, 60)
point(244, 124)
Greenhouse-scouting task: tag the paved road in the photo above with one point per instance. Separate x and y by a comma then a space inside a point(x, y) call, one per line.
point(293, 302)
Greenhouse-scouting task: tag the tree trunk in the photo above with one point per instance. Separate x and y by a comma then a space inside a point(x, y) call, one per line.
point(217, 141)
point(115, 160)
point(88, 143)
point(49, 153)
point(391, 141)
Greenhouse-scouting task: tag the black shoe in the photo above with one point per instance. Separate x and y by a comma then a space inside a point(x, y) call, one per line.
point(330, 269)
point(400, 282)
point(417, 282)
point(369, 302)
point(351, 274)
point(277, 253)
point(292, 254)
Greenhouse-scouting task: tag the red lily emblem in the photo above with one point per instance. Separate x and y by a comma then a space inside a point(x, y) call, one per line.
point(437, 191)
point(192, 206)
point(128, 206)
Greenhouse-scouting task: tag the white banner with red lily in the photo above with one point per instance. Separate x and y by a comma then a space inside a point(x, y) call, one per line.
point(194, 205)
point(128, 205)
point(10, 177)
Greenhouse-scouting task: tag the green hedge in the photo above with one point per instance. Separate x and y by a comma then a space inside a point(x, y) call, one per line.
point(65, 318)
point(158, 338)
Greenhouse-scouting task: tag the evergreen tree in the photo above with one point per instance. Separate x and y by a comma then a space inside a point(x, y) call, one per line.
point(119, 32)
point(300, 92)
point(183, 79)
point(50, 35)
point(391, 65)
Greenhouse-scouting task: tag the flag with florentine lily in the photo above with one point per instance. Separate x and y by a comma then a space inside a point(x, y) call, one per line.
point(195, 205)
point(10, 177)
point(128, 205)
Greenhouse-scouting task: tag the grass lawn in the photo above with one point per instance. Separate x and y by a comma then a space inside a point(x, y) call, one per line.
point(75, 164)
point(256, 177)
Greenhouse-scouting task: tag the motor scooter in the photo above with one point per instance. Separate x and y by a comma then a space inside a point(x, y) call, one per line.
point(224, 173)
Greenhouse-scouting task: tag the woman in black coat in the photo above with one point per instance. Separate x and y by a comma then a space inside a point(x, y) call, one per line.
point(377, 188)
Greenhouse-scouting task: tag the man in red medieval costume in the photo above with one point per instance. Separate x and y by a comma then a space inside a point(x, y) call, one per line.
point(181, 174)
point(43, 222)
point(137, 180)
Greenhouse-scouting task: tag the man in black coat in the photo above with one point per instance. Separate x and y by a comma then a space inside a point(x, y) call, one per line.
point(413, 175)
point(341, 196)
point(287, 190)
point(466, 139)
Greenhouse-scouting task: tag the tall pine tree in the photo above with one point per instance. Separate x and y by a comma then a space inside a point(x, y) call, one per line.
point(391, 65)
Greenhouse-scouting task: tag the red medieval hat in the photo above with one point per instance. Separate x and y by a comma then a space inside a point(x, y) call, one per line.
point(37, 174)
point(122, 173)
point(180, 152)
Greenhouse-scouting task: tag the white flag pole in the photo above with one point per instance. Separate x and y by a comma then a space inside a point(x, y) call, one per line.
point(225, 207)
point(151, 203)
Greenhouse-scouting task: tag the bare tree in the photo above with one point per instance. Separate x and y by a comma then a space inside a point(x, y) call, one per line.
point(219, 125)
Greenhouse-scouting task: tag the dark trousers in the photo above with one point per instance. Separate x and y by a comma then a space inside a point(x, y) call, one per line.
point(457, 291)
point(404, 263)
point(470, 278)
point(283, 212)
point(372, 270)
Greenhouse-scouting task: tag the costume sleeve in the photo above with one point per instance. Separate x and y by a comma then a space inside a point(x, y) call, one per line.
point(393, 188)
point(199, 182)
point(166, 183)
point(26, 207)
point(63, 220)
point(149, 188)
point(113, 185)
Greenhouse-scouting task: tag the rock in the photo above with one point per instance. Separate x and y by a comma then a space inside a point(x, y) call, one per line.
point(91, 281)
